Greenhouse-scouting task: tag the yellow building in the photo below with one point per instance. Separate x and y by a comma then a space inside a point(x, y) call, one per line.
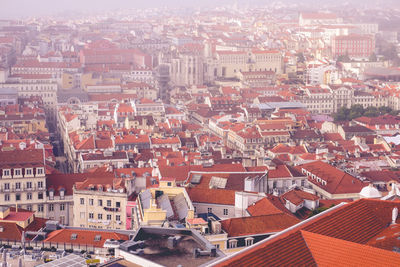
point(166, 202)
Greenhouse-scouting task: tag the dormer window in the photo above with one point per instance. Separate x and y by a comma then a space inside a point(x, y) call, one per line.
point(6, 173)
point(28, 172)
point(232, 243)
point(249, 241)
point(62, 193)
point(17, 172)
point(51, 194)
point(39, 171)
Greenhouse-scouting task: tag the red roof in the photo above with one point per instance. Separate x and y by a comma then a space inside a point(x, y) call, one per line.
point(83, 237)
point(18, 216)
point(180, 173)
point(263, 207)
point(297, 196)
point(258, 224)
point(335, 235)
point(212, 196)
point(333, 180)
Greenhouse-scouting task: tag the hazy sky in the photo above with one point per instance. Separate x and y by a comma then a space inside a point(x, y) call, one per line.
point(17, 8)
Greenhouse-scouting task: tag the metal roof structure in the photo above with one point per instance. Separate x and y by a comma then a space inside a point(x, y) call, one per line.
point(70, 260)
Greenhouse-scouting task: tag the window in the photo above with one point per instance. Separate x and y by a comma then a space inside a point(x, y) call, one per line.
point(6, 172)
point(109, 217)
point(40, 208)
point(6, 197)
point(40, 195)
point(28, 172)
point(29, 207)
point(29, 196)
point(100, 202)
point(62, 193)
point(249, 241)
point(232, 243)
point(7, 186)
point(29, 185)
point(17, 172)
point(108, 203)
point(209, 210)
point(100, 216)
point(82, 201)
point(117, 217)
point(62, 206)
point(39, 171)
point(225, 211)
point(17, 197)
point(91, 201)
point(18, 186)
point(51, 207)
point(91, 215)
point(118, 204)
point(40, 184)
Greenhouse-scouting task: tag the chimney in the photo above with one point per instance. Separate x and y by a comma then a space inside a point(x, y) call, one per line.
point(395, 213)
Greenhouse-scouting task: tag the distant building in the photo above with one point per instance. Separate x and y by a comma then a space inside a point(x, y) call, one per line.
point(354, 46)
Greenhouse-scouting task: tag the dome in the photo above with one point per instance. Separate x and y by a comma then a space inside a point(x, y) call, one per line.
point(370, 192)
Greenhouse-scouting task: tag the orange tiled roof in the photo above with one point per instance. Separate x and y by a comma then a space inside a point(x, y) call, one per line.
point(258, 224)
point(349, 226)
point(212, 196)
point(263, 207)
point(83, 237)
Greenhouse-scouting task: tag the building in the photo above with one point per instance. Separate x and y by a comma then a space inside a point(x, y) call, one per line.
point(163, 203)
point(100, 201)
point(23, 180)
point(118, 159)
point(230, 63)
point(307, 18)
point(354, 46)
point(330, 182)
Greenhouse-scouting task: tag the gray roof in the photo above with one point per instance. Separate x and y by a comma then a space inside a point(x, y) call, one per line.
point(275, 105)
point(64, 95)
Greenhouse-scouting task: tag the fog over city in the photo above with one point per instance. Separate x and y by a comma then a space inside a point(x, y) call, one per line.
point(199, 133)
point(26, 8)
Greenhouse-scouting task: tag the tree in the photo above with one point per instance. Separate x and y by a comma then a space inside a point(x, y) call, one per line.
point(371, 112)
point(373, 57)
point(344, 58)
point(300, 57)
point(355, 111)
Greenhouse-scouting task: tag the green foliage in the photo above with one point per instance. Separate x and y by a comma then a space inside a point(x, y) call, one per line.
point(355, 111)
point(317, 210)
point(344, 58)
point(373, 57)
point(300, 57)
point(390, 53)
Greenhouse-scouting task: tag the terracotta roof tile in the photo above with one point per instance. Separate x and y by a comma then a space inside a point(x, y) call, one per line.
point(258, 224)
point(83, 237)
